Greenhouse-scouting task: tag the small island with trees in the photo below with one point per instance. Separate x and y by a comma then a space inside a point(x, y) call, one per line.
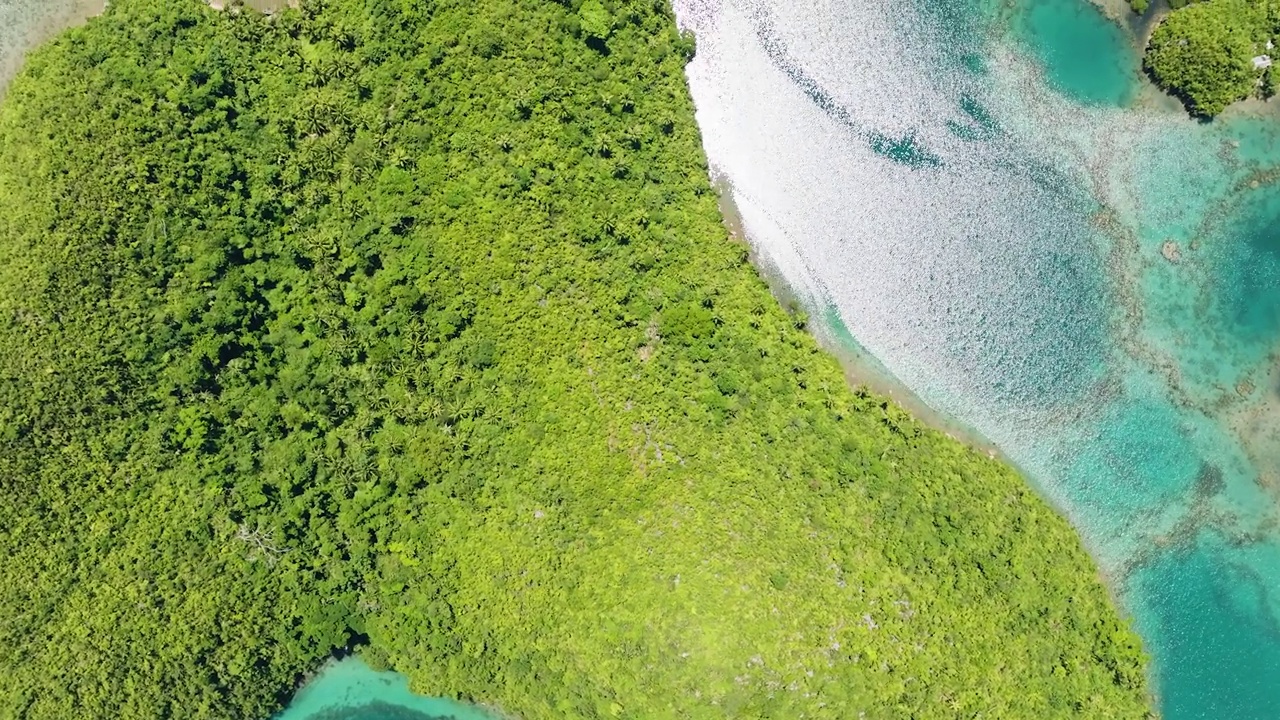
point(1212, 53)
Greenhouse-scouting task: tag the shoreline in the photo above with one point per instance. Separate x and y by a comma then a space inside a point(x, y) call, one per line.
point(73, 14)
point(860, 368)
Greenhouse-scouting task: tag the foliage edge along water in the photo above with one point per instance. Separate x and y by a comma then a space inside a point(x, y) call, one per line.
point(413, 329)
point(1081, 273)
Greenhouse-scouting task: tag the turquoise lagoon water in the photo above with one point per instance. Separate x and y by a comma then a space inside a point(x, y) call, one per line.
point(1089, 60)
point(351, 690)
point(1084, 276)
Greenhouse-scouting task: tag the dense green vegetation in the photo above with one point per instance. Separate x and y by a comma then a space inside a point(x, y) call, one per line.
point(1140, 6)
point(1203, 52)
point(413, 325)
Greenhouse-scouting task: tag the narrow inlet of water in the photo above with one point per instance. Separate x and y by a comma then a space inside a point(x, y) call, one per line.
point(351, 690)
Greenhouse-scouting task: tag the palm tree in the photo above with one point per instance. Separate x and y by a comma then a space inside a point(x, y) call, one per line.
point(312, 120)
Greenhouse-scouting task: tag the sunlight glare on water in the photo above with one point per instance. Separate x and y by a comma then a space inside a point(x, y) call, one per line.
point(1080, 273)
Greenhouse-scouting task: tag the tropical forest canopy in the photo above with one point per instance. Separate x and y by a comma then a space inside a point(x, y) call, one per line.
point(412, 327)
point(1204, 52)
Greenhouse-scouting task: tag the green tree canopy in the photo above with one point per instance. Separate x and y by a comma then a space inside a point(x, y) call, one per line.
point(1203, 52)
point(413, 327)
